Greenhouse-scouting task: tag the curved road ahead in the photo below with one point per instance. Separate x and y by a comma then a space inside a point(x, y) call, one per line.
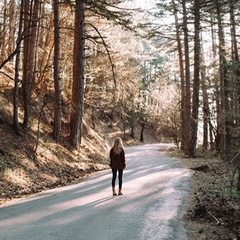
point(154, 186)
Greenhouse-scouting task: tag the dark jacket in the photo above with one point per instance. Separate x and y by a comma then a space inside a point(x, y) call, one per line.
point(117, 161)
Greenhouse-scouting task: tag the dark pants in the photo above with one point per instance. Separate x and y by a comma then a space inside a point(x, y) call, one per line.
point(114, 176)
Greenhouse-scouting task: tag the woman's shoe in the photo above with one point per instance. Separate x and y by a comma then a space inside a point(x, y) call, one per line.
point(120, 193)
point(114, 193)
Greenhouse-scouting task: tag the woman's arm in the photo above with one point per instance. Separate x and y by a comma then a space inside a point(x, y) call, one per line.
point(123, 158)
point(111, 158)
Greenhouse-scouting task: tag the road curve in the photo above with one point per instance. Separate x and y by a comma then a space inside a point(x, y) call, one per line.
point(155, 187)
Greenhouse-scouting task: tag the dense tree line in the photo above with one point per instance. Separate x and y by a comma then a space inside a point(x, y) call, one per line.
point(50, 45)
point(65, 51)
point(205, 36)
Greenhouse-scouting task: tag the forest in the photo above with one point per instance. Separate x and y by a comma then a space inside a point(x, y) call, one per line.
point(168, 69)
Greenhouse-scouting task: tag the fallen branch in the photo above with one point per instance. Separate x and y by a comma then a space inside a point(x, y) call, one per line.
point(235, 157)
point(213, 217)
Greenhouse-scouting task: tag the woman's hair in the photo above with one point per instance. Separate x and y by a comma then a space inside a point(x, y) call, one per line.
point(118, 145)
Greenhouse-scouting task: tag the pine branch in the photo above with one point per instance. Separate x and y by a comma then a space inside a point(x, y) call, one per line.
point(108, 52)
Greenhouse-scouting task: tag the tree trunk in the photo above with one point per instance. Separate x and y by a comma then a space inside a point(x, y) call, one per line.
point(238, 182)
point(196, 80)
point(187, 97)
point(222, 90)
point(57, 80)
point(17, 63)
point(181, 69)
point(12, 10)
point(31, 11)
point(3, 32)
point(33, 43)
point(78, 75)
point(235, 81)
point(214, 136)
point(206, 112)
point(132, 134)
point(25, 78)
point(142, 130)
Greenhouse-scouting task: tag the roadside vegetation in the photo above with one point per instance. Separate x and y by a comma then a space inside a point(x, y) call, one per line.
point(213, 203)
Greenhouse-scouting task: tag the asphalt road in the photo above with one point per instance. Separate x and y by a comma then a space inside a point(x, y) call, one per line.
point(155, 188)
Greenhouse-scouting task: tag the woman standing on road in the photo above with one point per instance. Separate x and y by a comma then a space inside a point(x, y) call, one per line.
point(117, 164)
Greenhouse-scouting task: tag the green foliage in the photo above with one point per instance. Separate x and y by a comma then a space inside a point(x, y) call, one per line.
point(235, 194)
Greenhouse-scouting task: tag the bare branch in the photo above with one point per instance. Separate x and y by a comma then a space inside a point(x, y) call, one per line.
point(213, 217)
